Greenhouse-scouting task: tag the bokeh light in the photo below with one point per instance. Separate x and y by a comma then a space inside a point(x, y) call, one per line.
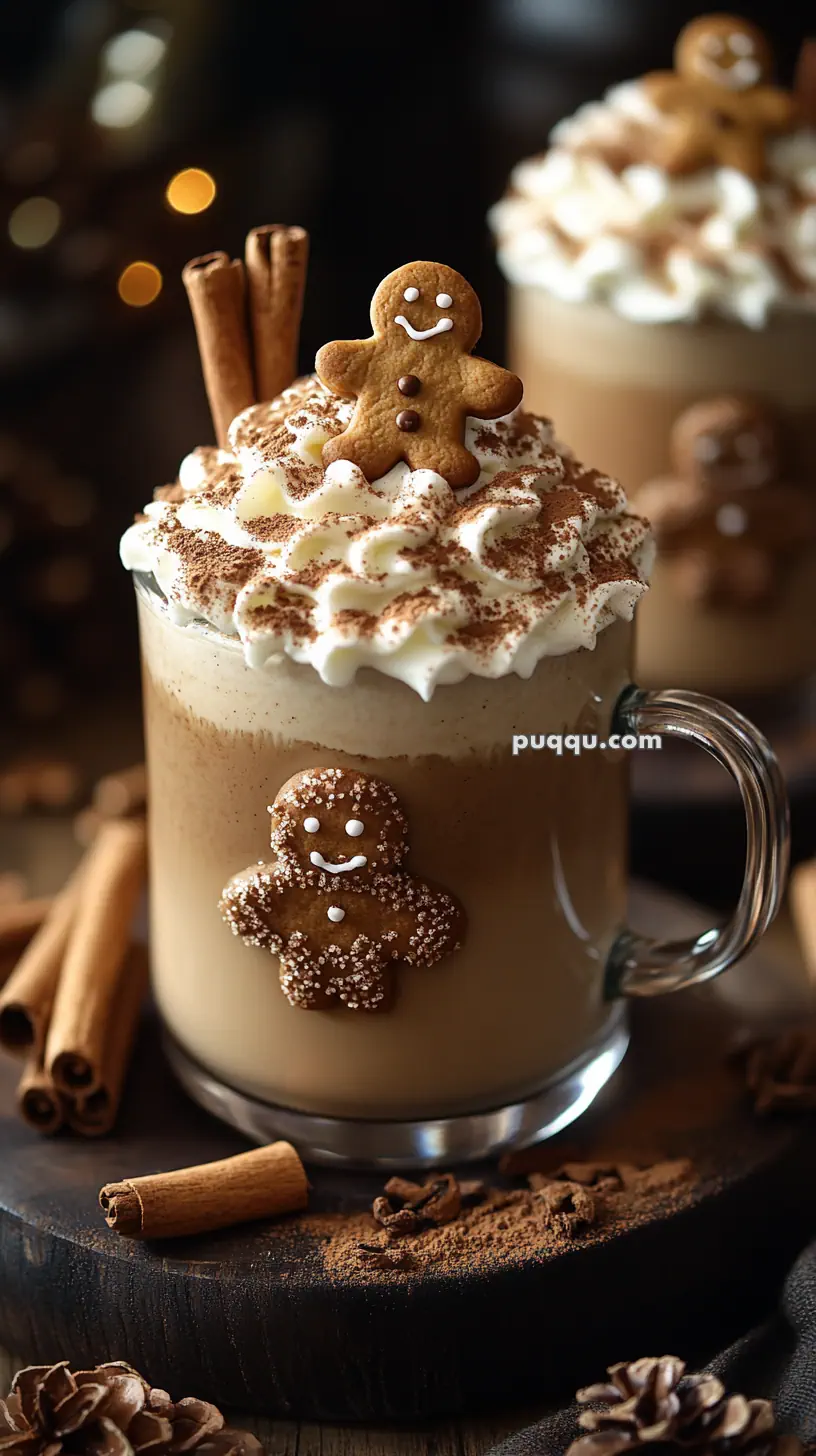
point(121, 104)
point(139, 284)
point(35, 222)
point(134, 53)
point(192, 190)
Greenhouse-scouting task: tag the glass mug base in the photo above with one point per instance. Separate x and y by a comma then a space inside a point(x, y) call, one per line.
point(421, 1143)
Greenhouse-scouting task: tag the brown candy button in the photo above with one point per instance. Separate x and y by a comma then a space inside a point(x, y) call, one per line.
point(409, 384)
point(408, 420)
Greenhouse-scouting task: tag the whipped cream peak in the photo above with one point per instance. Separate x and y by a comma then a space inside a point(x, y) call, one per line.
point(594, 219)
point(402, 574)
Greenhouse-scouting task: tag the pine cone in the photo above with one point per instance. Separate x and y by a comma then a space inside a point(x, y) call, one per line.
point(109, 1411)
point(652, 1402)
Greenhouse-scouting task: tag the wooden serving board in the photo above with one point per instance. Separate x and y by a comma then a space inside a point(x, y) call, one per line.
point(255, 1323)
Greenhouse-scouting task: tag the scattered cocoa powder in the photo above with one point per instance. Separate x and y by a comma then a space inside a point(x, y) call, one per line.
point(503, 1227)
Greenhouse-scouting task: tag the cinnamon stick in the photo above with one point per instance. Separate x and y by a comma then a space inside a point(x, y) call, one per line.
point(20, 920)
point(216, 289)
point(121, 793)
point(114, 871)
point(38, 1101)
point(260, 1184)
point(276, 260)
point(28, 995)
point(94, 1113)
point(802, 896)
point(804, 85)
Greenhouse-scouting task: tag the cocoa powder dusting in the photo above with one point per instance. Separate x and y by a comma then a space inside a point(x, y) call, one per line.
point(444, 1228)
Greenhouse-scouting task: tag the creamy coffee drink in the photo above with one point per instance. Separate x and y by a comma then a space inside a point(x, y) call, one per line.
point(658, 257)
point(297, 617)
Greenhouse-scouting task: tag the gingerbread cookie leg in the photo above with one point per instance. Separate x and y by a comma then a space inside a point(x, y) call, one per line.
point(458, 466)
point(373, 457)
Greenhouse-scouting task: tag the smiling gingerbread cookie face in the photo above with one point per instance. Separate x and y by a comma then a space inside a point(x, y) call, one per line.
point(415, 380)
point(339, 823)
point(726, 445)
point(724, 50)
point(427, 301)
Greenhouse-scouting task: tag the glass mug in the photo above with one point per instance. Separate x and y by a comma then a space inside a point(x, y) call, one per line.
point(502, 1042)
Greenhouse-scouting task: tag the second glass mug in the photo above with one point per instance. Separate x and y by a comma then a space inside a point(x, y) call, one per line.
point(508, 1039)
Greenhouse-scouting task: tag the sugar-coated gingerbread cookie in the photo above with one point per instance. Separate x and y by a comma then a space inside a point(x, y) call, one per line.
point(719, 97)
point(336, 904)
point(415, 380)
point(726, 523)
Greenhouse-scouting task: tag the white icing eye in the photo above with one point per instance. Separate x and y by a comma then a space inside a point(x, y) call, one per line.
point(731, 520)
point(311, 825)
point(706, 447)
point(741, 45)
point(443, 300)
point(411, 295)
point(354, 827)
point(336, 914)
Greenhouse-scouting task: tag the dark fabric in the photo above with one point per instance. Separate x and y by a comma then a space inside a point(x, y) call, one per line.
point(776, 1360)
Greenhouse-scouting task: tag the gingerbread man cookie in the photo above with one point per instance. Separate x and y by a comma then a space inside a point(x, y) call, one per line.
point(336, 905)
point(719, 97)
point(725, 523)
point(415, 380)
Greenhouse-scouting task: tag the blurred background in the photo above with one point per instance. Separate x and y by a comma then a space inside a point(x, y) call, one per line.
point(135, 135)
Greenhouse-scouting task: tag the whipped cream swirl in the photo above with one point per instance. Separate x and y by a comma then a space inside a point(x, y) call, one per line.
point(400, 574)
point(587, 221)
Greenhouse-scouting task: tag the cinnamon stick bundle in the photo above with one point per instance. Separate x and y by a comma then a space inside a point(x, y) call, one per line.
point(276, 261)
point(216, 289)
point(84, 1004)
point(94, 1113)
point(259, 1184)
point(20, 920)
point(28, 995)
point(38, 1101)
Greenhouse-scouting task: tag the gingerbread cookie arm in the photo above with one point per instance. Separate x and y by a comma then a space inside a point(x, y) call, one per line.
point(343, 364)
point(666, 90)
point(670, 505)
point(488, 391)
point(774, 108)
point(249, 903)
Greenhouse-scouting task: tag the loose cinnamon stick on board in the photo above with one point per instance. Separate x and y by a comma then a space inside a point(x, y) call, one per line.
point(93, 1114)
point(216, 289)
point(20, 920)
point(259, 1184)
point(38, 1101)
point(121, 793)
point(84, 1004)
point(28, 995)
point(276, 260)
point(802, 895)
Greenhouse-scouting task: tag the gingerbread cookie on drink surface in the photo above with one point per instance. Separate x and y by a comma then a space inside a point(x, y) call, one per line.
point(336, 905)
point(727, 522)
point(718, 96)
point(415, 380)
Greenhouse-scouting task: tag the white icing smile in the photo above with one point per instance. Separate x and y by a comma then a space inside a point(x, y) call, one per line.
point(743, 74)
point(442, 326)
point(355, 863)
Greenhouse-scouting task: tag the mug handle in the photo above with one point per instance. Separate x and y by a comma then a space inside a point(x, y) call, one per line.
point(641, 966)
